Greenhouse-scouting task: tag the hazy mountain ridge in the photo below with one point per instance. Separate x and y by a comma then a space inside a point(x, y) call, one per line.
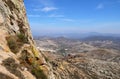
point(76, 35)
point(109, 42)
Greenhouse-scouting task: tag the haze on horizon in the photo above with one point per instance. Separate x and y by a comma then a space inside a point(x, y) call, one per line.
point(73, 16)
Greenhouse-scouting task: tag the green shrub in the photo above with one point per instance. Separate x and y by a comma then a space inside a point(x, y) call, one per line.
point(37, 71)
point(39, 74)
point(46, 59)
point(12, 44)
point(22, 38)
point(35, 51)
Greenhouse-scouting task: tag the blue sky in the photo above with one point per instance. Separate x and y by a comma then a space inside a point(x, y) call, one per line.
point(73, 16)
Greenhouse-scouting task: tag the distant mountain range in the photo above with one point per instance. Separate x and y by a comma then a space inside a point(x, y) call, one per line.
point(94, 58)
point(78, 35)
point(102, 38)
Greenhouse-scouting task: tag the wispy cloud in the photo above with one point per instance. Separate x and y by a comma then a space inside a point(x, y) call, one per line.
point(47, 9)
point(68, 20)
point(46, 6)
point(56, 16)
point(34, 16)
point(100, 6)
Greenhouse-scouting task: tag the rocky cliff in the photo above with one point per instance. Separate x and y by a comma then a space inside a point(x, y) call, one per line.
point(19, 58)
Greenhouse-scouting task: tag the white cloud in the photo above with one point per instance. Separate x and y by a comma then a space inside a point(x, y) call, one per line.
point(56, 16)
point(46, 6)
point(100, 6)
point(68, 20)
point(47, 9)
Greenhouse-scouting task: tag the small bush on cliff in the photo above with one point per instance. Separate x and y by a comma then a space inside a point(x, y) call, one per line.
point(12, 44)
point(36, 70)
point(35, 51)
point(39, 73)
point(22, 38)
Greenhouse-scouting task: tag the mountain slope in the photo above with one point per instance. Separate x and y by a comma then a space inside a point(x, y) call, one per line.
point(75, 59)
point(19, 58)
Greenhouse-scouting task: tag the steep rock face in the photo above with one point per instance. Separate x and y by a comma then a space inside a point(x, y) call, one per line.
point(19, 58)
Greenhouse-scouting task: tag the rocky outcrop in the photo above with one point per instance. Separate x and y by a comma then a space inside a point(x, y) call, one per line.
point(19, 58)
point(83, 66)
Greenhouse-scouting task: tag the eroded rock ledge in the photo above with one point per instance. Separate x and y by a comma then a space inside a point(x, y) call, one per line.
point(19, 58)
